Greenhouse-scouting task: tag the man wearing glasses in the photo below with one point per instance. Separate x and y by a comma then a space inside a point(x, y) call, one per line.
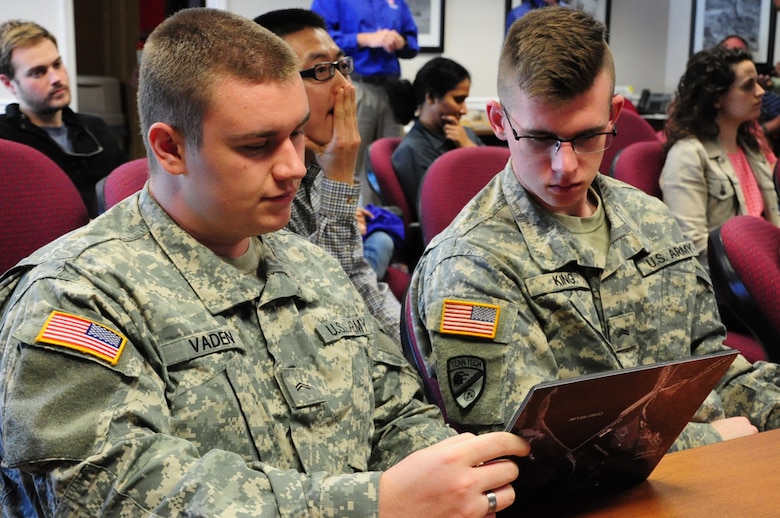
point(182, 355)
point(31, 68)
point(377, 34)
point(555, 270)
point(325, 204)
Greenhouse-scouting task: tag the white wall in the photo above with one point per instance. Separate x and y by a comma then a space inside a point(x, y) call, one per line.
point(639, 36)
point(649, 38)
point(57, 17)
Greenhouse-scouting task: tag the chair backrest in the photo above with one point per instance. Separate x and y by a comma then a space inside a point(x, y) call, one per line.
point(744, 261)
point(416, 357)
point(391, 193)
point(640, 164)
point(39, 202)
point(125, 180)
point(452, 180)
point(631, 128)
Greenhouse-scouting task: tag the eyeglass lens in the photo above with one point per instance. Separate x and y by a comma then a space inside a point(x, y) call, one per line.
point(325, 71)
point(582, 145)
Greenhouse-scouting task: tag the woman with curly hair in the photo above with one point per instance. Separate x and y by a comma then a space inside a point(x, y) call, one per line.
point(714, 167)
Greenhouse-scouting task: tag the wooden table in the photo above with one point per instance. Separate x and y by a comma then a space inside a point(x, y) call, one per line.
point(733, 478)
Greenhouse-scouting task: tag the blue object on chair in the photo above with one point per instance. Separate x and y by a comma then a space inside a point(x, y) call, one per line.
point(39, 202)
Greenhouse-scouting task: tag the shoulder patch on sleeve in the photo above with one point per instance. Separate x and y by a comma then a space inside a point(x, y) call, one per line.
point(83, 335)
point(460, 317)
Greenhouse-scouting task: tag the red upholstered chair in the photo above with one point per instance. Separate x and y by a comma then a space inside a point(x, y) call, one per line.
point(631, 128)
point(125, 180)
point(744, 260)
point(392, 195)
point(630, 106)
point(397, 280)
point(748, 346)
point(452, 180)
point(39, 202)
point(390, 190)
point(640, 164)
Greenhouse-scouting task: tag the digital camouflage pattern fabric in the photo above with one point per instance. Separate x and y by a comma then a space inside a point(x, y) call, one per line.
point(563, 312)
point(267, 394)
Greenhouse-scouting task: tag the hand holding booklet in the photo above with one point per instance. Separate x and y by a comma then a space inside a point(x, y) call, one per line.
point(610, 429)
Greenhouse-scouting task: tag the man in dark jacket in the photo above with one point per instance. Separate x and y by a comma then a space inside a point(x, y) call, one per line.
point(32, 69)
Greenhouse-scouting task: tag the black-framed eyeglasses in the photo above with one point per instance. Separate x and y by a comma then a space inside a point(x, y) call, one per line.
point(98, 147)
point(546, 145)
point(325, 71)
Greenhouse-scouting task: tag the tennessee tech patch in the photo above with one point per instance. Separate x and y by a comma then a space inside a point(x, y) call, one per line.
point(460, 317)
point(466, 375)
point(83, 335)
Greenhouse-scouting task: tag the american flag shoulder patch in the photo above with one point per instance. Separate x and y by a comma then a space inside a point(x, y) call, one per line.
point(460, 317)
point(83, 335)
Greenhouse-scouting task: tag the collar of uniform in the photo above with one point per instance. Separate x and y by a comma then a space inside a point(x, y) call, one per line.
point(216, 283)
point(538, 226)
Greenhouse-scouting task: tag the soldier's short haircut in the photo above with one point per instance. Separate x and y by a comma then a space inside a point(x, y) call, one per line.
point(554, 54)
point(19, 33)
point(190, 53)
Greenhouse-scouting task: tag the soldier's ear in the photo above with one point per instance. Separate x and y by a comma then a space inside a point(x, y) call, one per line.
point(495, 115)
point(167, 145)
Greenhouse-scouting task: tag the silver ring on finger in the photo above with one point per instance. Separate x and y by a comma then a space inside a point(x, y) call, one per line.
point(492, 502)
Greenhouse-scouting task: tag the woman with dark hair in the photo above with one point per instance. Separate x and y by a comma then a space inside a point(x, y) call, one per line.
point(438, 99)
point(714, 167)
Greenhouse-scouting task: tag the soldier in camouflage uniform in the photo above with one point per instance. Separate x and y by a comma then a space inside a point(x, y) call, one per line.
point(561, 271)
point(164, 361)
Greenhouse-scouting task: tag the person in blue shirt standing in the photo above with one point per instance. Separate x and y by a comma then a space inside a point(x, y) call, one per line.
point(526, 6)
point(376, 33)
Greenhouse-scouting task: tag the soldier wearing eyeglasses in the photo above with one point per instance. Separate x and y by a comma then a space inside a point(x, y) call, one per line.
point(32, 69)
point(559, 270)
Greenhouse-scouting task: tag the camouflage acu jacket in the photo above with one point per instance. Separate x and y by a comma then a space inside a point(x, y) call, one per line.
point(141, 374)
point(542, 306)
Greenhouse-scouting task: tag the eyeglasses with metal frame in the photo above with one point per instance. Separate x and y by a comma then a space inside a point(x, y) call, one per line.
point(549, 145)
point(326, 70)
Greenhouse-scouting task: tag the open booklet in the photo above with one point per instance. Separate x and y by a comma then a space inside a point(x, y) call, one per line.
point(609, 429)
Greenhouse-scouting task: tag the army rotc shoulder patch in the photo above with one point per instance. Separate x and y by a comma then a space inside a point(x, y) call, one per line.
point(466, 375)
point(83, 335)
point(469, 318)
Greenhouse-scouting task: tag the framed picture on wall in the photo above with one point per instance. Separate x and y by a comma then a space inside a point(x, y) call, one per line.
point(429, 16)
point(753, 20)
point(600, 9)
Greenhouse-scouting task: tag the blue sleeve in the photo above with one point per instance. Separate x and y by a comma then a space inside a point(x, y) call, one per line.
point(342, 32)
point(408, 31)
